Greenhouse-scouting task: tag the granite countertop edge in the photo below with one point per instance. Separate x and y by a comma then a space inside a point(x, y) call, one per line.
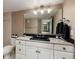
point(48, 42)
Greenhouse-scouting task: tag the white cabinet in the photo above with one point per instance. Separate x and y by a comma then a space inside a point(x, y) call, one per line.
point(20, 49)
point(64, 48)
point(63, 55)
point(38, 53)
point(63, 51)
point(31, 52)
point(36, 50)
point(45, 53)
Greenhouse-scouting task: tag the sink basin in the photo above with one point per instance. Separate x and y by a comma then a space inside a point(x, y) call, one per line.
point(40, 39)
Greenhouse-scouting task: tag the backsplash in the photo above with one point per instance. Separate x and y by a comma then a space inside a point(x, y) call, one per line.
point(40, 35)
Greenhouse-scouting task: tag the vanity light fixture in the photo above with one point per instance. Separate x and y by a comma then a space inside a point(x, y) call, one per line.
point(42, 9)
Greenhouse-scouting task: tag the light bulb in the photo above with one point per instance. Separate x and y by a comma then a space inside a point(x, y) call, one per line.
point(42, 11)
point(35, 12)
point(49, 10)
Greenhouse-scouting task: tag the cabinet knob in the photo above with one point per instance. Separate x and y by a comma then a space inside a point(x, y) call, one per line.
point(36, 51)
point(19, 49)
point(64, 48)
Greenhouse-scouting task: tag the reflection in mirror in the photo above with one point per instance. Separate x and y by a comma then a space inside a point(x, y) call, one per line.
point(38, 26)
point(42, 23)
point(46, 26)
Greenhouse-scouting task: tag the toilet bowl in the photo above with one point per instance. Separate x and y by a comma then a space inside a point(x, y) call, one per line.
point(8, 51)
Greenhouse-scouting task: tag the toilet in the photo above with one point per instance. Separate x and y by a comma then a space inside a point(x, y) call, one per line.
point(9, 50)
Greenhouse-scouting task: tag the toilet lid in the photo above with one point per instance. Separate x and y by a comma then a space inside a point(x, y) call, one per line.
point(7, 49)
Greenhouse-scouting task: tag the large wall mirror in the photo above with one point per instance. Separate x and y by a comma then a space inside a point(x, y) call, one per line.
point(43, 22)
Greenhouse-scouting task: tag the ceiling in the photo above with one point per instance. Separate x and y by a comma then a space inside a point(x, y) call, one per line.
point(17, 5)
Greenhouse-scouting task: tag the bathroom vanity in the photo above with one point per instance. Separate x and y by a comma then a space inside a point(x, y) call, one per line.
point(34, 49)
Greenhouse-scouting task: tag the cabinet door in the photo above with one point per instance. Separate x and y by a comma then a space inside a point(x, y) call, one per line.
point(63, 55)
point(20, 49)
point(31, 52)
point(45, 54)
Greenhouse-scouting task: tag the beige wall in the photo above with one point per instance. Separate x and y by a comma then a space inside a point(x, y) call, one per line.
point(69, 13)
point(18, 23)
point(6, 28)
point(57, 17)
point(31, 26)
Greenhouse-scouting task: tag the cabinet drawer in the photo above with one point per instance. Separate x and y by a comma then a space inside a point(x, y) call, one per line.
point(63, 55)
point(41, 45)
point(20, 49)
point(64, 48)
point(18, 56)
point(20, 42)
point(45, 53)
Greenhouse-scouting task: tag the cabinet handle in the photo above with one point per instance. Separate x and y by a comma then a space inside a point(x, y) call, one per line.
point(63, 58)
point(64, 48)
point(19, 49)
point(37, 51)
